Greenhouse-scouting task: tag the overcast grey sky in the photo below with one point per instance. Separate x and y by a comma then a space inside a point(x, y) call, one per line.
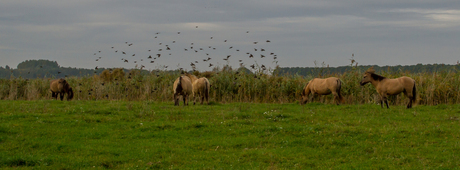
point(381, 32)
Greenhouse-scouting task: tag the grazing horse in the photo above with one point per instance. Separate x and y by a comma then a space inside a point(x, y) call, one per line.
point(182, 87)
point(322, 87)
point(200, 88)
point(60, 87)
point(386, 86)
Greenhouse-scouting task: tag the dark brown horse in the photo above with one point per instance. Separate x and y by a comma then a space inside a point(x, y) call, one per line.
point(386, 86)
point(61, 87)
point(322, 87)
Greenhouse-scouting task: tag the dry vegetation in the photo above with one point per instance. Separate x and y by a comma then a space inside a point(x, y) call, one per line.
point(231, 86)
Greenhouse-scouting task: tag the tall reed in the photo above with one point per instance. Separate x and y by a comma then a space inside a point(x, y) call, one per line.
point(233, 86)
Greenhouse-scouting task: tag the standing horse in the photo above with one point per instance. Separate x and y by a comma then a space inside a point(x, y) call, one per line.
point(60, 87)
point(182, 87)
point(386, 86)
point(200, 88)
point(322, 87)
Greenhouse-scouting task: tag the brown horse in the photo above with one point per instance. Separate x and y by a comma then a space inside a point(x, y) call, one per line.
point(386, 86)
point(60, 87)
point(322, 87)
point(200, 88)
point(182, 87)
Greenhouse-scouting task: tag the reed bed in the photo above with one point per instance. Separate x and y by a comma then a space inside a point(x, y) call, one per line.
point(233, 86)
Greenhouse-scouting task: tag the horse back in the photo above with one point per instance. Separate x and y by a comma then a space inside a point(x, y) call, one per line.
point(397, 85)
point(324, 86)
point(201, 85)
point(57, 85)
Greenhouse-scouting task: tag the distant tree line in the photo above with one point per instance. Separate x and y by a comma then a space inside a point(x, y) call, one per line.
point(319, 71)
point(31, 69)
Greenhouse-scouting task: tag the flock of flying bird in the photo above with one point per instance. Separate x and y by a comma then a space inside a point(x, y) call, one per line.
point(172, 48)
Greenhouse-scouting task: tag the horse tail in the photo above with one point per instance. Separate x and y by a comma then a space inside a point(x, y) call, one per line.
point(206, 89)
point(339, 86)
point(179, 85)
point(414, 93)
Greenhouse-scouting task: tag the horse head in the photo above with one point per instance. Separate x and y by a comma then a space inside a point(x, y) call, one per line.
point(69, 94)
point(304, 97)
point(367, 77)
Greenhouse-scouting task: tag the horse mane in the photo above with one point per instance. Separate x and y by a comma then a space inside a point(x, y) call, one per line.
point(377, 77)
point(374, 76)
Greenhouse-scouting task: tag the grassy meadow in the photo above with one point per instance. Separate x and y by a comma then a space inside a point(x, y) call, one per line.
point(123, 134)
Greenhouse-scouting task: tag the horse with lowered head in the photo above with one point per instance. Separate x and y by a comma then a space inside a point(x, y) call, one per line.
point(322, 87)
point(182, 87)
point(200, 88)
point(61, 87)
point(386, 86)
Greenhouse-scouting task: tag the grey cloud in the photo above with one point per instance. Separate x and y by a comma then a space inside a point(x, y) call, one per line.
point(378, 32)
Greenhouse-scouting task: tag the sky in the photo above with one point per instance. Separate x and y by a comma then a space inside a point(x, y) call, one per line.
point(300, 33)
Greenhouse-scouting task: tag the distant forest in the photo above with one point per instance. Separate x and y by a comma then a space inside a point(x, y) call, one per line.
point(30, 69)
point(419, 68)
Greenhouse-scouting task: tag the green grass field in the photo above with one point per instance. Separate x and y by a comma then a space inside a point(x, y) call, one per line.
point(48, 134)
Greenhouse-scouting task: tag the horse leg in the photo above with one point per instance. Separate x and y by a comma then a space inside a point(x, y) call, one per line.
point(194, 99)
point(336, 97)
point(409, 105)
point(61, 96)
point(202, 99)
point(184, 98)
point(385, 99)
point(313, 97)
point(53, 95)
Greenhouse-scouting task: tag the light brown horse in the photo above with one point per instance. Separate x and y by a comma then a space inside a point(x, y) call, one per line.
point(322, 87)
point(386, 86)
point(60, 87)
point(200, 88)
point(182, 87)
